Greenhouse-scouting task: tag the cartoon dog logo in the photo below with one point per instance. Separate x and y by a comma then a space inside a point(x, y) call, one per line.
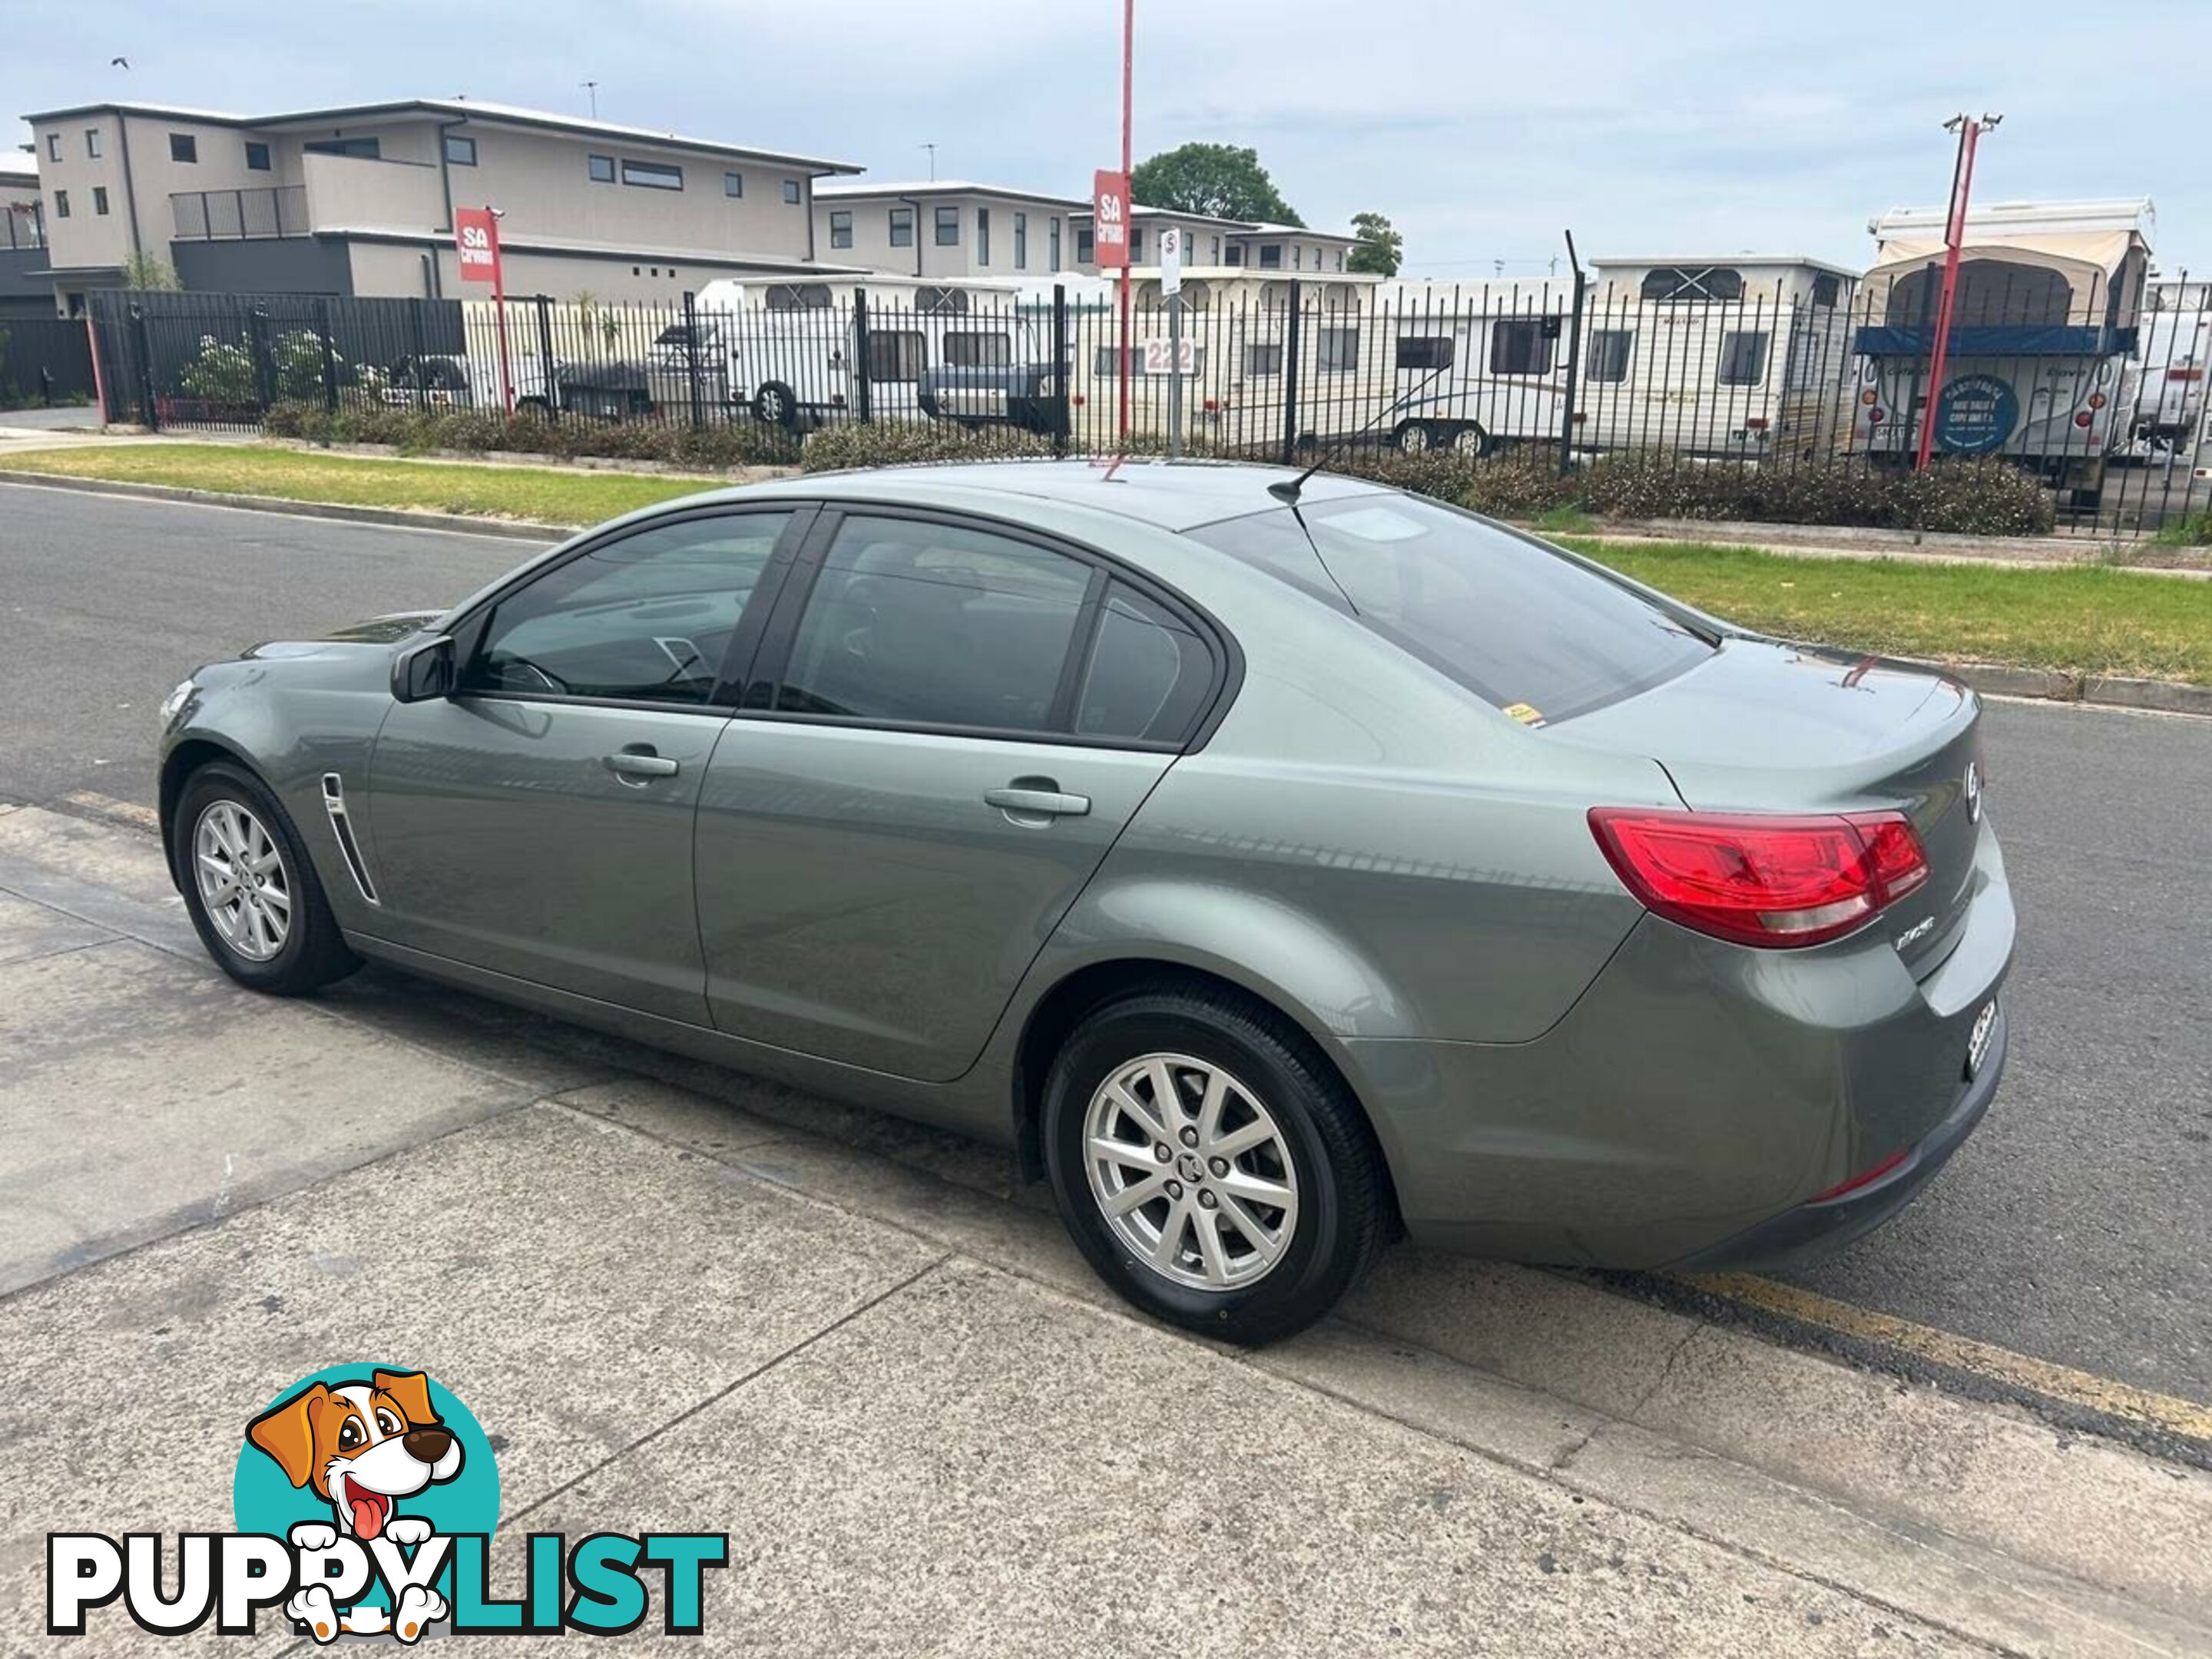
point(360, 1447)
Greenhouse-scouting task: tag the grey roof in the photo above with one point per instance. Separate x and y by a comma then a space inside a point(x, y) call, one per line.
point(1172, 495)
point(865, 188)
point(454, 109)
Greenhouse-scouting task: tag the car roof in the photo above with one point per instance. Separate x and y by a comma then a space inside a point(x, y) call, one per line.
point(1171, 494)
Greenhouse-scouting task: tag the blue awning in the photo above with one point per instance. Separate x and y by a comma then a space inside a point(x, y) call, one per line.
point(1998, 340)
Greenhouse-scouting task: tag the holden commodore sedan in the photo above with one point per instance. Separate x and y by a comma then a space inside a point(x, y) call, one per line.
point(1274, 863)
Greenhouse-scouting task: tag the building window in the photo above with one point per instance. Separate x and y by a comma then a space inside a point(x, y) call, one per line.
point(1270, 257)
point(733, 185)
point(1260, 360)
point(1339, 258)
point(1052, 240)
point(1136, 245)
point(183, 147)
point(1214, 258)
point(601, 167)
point(99, 200)
point(1743, 358)
point(1235, 253)
point(361, 150)
point(792, 195)
point(461, 152)
point(53, 147)
point(982, 236)
point(1429, 352)
point(841, 227)
point(1609, 352)
point(652, 175)
point(1339, 352)
point(1522, 346)
point(61, 204)
point(948, 227)
point(257, 157)
point(91, 142)
point(1021, 241)
point(1084, 250)
point(901, 227)
point(1825, 290)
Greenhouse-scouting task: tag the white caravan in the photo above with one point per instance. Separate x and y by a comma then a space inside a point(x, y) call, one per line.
point(2040, 367)
point(1743, 357)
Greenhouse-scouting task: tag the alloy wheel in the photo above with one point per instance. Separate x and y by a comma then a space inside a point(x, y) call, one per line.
point(242, 880)
point(1191, 1171)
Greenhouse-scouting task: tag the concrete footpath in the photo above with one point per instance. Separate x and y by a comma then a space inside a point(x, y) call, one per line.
point(678, 1298)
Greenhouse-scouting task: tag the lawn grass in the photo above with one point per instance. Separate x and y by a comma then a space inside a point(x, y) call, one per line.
point(537, 494)
point(2087, 619)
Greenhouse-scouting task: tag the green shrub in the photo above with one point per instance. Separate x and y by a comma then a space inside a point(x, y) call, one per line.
point(899, 443)
point(1974, 498)
point(2195, 531)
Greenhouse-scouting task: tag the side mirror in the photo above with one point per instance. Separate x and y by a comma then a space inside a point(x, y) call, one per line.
point(424, 672)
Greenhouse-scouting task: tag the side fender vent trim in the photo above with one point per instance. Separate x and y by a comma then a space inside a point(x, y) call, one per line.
point(341, 828)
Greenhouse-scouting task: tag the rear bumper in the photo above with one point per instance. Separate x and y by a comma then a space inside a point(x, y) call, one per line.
point(1688, 1108)
point(1817, 1228)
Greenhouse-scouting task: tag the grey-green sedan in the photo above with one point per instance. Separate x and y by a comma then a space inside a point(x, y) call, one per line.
point(1273, 863)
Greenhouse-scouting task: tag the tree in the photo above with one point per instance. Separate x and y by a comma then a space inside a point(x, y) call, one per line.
point(1376, 247)
point(1220, 180)
point(143, 270)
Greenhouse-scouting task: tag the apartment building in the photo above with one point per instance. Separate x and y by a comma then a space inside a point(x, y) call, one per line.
point(23, 290)
point(1209, 242)
point(949, 227)
point(359, 199)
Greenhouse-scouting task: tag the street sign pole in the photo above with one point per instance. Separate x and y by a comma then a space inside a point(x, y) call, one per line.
point(476, 245)
point(1172, 296)
point(1128, 71)
point(1954, 236)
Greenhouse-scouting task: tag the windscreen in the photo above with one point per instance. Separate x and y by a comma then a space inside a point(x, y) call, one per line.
point(1524, 628)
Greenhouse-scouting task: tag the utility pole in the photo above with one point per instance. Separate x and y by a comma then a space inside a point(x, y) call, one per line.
point(932, 149)
point(1954, 236)
point(592, 89)
point(1129, 99)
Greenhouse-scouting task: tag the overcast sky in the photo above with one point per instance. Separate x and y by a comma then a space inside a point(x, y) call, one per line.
point(1481, 128)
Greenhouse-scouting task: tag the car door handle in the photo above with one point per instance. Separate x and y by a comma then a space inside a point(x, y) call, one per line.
point(639, 762)
point(1046, 802)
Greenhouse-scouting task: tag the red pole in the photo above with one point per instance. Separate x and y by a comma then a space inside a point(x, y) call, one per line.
point(1129, 207)
point(1954, 234)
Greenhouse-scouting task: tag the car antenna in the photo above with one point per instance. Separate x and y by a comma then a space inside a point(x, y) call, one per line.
point(1285, 490)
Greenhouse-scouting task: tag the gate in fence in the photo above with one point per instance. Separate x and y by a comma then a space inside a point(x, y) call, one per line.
point(44, 361)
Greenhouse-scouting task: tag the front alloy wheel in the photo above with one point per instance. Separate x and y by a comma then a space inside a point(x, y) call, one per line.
point(243, 882)
point(1191, 1172)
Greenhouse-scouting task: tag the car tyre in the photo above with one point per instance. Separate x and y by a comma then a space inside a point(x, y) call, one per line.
point(1341, 1210)
point(241, 813)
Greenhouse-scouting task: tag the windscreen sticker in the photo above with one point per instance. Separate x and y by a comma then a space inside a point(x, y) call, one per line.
point(1527, 714)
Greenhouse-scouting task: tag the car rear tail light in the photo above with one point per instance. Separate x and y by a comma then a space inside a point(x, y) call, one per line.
point(1759, 879)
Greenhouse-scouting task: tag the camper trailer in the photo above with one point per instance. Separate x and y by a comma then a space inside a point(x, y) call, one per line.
point(1738, 356)
point(2040, 365)
point(2174, 349)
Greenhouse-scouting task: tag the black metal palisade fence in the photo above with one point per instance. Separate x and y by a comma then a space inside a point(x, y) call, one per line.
point(1804, 373)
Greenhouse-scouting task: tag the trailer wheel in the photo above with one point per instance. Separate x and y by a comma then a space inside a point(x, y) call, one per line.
point(1472, 440)
point(536, 408)
point(775, 405)
point(1413, 438)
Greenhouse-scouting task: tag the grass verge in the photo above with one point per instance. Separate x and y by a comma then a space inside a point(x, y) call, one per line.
point(2091, 619)
point(536, 495)
point(2086, 618)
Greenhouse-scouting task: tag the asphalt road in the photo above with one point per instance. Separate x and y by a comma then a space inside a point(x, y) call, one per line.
point(2075, 1227)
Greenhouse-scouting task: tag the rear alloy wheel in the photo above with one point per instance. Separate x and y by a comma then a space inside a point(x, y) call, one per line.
point(252, 894)
point(1210, 1165)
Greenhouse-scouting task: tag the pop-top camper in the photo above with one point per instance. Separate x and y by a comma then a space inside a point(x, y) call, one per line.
point(2038, 365)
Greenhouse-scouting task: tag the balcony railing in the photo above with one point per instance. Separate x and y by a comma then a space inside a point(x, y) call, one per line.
point(220, 216)
point(20, 226)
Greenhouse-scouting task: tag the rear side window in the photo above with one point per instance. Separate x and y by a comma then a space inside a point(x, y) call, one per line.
point(1148, 673)
point(1525, 628)
point(915, 623)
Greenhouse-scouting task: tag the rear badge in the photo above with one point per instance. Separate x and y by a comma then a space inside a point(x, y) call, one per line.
point(1973, 792)
point(1525, 713)
point(1919, 930)
point(1977, 1044)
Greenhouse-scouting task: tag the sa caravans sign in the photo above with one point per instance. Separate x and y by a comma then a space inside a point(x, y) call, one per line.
point(1110, 220)
point(476, 243)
